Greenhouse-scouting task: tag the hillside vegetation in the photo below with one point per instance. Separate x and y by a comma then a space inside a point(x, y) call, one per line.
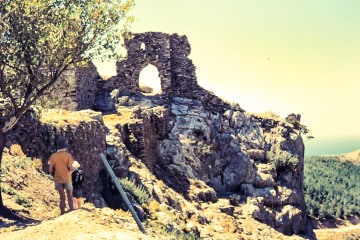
point(332, 187)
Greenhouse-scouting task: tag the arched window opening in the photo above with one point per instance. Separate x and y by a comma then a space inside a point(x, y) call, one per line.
point(149, 80)
point(142, 46)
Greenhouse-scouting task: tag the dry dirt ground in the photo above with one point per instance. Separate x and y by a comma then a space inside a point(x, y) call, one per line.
point(86, 223)
point(29, 193)
point(337, 229)
point(347, 233)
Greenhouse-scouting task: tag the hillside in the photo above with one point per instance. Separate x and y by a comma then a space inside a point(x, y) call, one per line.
point(24, 179)
point(353, 157)
point(332, 195)
point(331, 187)
point(194, 165)
point(29, 193)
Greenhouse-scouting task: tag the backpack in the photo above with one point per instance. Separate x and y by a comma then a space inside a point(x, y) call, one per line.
point(77, 177)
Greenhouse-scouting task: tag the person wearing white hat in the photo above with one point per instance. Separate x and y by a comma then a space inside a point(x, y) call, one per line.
point(77, 179)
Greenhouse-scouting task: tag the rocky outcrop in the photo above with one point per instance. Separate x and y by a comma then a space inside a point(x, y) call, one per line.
point(194, 153)
point(203, 156)
point(231, 152)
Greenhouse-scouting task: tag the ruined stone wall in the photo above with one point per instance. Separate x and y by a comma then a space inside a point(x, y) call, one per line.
point(184, 81)
point(154, 127)
point(76, 89)
point(143, 49)
point(84, 89)
point(170, 55)
point(35, 138)
point(86, 86)
point(86, 140)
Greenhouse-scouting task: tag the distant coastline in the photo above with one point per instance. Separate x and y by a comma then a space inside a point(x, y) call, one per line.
point(331, 146)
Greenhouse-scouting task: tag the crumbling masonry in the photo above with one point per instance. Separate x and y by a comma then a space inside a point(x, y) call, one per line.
point(168, 53)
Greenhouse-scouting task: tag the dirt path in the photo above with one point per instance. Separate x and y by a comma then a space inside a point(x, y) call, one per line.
point(343, 229)
point(82, 224)
point(343, 233)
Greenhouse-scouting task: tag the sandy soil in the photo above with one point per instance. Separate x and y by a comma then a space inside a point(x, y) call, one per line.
point(344, 233)
point(86, 223)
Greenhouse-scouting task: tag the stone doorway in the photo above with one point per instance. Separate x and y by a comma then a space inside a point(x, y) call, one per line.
point(149, 80)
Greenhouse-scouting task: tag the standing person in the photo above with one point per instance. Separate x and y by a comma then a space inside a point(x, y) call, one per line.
point(77, 179)
point(60, 164)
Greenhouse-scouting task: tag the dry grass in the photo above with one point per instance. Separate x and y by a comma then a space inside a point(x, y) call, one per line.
point(37, 163)
point(353, 157)
point(266, 115)
point(123, 115)
point(62, 117)
point(338, 234)
point(15, 150)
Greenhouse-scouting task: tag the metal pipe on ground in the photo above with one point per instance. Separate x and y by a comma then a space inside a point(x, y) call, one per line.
point(122, 193)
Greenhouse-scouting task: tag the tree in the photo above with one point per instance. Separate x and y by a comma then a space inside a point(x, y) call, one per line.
point(294, 119)
point(40, 39)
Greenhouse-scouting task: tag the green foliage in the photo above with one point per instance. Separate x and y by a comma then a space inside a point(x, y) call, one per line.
point(18, 198)
point(22, 201)
point(332, 188)
point(138, 192)
point(9, 191)
point(294, 119)
point(22, 163)
point(40, 39)
point(281, 159)
point(161, 230)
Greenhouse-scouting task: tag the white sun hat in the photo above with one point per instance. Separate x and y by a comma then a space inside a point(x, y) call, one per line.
point(76, 165)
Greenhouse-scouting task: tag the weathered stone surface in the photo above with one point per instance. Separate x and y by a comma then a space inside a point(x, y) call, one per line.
point(264, 180)
point(257, 210)
point(257, 154)
point(199, 191)
point(76, 88)
point(104, 102)
point(289, 220)
point(195, 143)
point(86, 140)
point(193, 146)
point(229, 210)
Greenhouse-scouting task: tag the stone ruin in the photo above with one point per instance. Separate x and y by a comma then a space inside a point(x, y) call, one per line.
point(168, 53)
point(182, 135)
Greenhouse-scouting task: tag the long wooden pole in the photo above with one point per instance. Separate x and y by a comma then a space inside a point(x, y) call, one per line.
point(122, 193)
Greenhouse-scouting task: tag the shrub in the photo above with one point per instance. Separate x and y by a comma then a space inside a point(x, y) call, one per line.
point(172, 234)
point(22, 200)
point(281, 159)
point(22, 163)
point(138, 192)
point(18, 198)
point(8, 191)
